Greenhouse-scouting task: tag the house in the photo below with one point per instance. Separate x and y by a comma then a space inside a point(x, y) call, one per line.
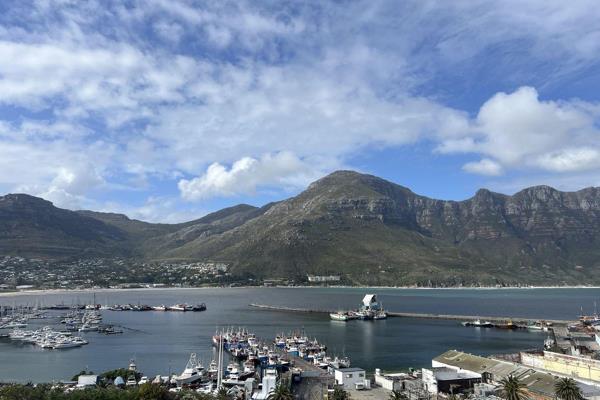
point(449, 380)
point(410, 383)
point(351, 378)
point(389, 381)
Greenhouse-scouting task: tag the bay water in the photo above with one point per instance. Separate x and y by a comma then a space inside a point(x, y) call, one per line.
point(161, 342)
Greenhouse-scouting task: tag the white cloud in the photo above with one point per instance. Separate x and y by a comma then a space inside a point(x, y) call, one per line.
point(160, 209)
point(573, 159)
point(247, 174)
point(169, 31)
point(260, 97)
point(483, 167)
point(518, 131)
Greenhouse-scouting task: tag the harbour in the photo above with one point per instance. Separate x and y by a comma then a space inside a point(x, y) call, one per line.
point(162, 341)
point(523, 322)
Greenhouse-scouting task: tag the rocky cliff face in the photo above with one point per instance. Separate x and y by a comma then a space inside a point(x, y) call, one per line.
point(369, 230)
point(354, 223)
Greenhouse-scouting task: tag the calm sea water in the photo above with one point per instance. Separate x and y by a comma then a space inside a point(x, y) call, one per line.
point(162, 341)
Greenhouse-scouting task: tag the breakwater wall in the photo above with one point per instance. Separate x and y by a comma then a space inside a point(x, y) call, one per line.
point(494, 319)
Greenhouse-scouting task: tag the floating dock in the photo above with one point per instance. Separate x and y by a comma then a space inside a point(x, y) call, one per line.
point(515, 320)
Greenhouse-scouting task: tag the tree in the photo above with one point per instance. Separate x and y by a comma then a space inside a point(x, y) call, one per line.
point(222, 394)
point(149, 391)
point(513, 388)
point(340, 394)
point(281, 392)
point(398, 395)
point(567, 389)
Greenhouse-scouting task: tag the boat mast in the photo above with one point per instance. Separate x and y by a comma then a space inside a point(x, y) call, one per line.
point(220, 362)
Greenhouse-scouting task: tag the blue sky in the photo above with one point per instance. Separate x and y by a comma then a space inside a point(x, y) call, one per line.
point(167, 110)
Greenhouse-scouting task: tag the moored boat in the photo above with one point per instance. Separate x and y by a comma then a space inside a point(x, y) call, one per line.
point(193, 372)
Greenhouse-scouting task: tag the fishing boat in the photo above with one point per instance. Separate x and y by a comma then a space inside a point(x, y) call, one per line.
point(199, 307)
point(508, 325)
point(478, 324)
point(538, 326)
point(178, 307)
point(162, 307)
point(192, 373)
point(340, 316)
point(380, 315)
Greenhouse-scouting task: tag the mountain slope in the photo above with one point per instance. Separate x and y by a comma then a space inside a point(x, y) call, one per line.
point(31, 226)
point(367, 229)
point(377, 232)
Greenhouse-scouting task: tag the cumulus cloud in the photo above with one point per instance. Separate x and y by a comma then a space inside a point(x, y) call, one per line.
point(483, 167)
point(246, 174)
point(228, 98)
point(573, 159)
point(518, 130)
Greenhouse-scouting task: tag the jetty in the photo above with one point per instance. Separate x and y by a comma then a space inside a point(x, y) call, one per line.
point(497, 319)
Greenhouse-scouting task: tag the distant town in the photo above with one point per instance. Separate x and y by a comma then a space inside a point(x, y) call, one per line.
point(18, 273)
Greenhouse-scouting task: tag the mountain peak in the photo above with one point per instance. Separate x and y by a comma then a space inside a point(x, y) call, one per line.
point(16, 199)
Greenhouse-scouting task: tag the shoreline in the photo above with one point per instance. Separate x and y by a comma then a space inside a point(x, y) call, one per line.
point(43, 292)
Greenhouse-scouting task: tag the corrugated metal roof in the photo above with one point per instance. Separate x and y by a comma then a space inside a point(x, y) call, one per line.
point(535, 381)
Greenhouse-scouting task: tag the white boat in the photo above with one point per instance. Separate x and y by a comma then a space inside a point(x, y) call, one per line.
point(339, 316)
point(213, 368)
point(478, 323)
point(178, 307)
point(13, 325)
point(80, 340)
point(193, 372)
point(88, 328)
point(162, 307)
point(208, 388)
point(46, 344)
point(380, 315)
point(65, 344)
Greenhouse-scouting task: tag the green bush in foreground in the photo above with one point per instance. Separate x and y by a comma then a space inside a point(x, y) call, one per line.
point(143, 392)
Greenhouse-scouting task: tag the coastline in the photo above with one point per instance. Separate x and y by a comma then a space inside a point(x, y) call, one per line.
point(43, 292)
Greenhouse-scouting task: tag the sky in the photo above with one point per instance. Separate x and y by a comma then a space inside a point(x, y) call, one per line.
point(166, 110)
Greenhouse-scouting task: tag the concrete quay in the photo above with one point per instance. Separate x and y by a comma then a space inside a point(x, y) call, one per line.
point(493, 319)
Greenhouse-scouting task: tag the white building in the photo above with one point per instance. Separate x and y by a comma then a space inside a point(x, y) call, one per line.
point(351, 378)
point(269, 382)
point(323, 278)
point(370, 303)
point(84, 381)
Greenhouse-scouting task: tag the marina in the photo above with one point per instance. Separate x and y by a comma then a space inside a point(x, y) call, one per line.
point(162, 341)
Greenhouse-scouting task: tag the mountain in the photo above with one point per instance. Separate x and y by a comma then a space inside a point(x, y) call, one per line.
point(364, 228)
point(33, 227)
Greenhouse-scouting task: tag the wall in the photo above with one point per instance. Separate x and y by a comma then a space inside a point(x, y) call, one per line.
point(348, 380)
point(577, 367)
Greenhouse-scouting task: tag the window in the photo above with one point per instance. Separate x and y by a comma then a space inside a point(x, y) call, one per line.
point(348, 375)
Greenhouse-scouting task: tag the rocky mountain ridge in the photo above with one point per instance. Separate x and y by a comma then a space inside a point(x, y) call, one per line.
point(362, 227)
